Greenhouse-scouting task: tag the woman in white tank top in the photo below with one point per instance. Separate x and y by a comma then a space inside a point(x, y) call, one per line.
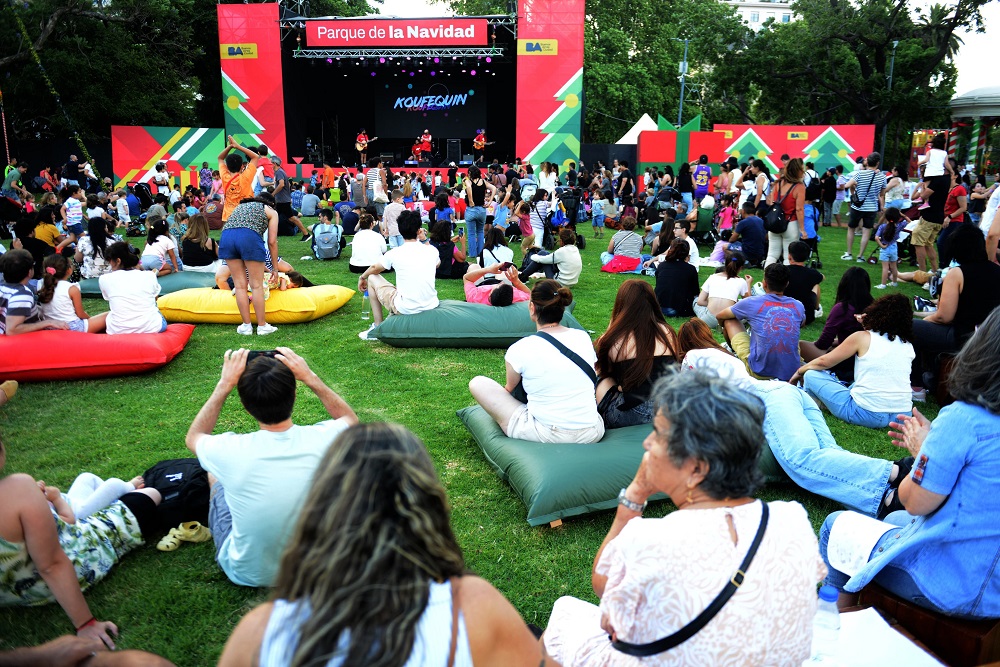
point(373, 575)
point(881, 388)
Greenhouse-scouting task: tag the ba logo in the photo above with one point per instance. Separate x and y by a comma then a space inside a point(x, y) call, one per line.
point(230, 51)
point(538, 47)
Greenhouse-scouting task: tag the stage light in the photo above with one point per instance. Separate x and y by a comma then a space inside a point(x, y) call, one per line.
point(329, 60)
point(407, 57)
point(437, 60)
point(421, 71)
point(463, 71)
point(412, 73)
point(404, 71)
point(381, 60)
point(472, 73)
point(373, 73)
point(433, 72)
point(488, 59)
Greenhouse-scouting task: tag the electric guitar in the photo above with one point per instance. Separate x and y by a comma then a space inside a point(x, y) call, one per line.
point(363, 145)
point(479, 145)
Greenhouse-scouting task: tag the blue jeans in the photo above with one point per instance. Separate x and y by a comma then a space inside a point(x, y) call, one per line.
point(688, 198)
point(395, 241)
point(475, 220)
point(805, 449)
point(379, 208)
point(894, 579)
point(832, 393)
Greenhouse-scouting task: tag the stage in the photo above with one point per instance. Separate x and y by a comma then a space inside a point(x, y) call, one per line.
point(329, 99)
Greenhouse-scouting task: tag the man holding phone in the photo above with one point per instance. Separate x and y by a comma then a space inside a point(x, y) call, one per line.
point(492, 291)
point(259, 479)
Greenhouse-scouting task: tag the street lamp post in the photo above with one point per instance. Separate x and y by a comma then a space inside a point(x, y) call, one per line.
point(885, 125)
point(683, 71)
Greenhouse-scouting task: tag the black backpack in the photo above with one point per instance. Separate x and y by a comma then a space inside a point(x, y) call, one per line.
point(775, 220)
point(183, 483)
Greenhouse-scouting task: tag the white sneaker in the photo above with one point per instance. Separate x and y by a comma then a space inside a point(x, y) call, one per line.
point(926, 287)
point(818, 313)
point(893, 284)
point(265, 329)
point(918, 396)
point(245, 329)
point(367, 333)
point(880, 287)
point(847, 255)
point(860, 260)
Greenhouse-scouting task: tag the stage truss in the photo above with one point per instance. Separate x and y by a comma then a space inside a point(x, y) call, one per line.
point(403, 54)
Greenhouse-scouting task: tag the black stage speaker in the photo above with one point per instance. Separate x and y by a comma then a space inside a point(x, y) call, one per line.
point(454, 153)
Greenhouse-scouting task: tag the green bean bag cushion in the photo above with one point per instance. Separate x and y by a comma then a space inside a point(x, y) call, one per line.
point(461, 324)
point(559, 481)
point(172, 282)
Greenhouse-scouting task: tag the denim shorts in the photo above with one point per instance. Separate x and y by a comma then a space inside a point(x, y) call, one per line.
point(151, 262)
point(242, 243)
point(890, 254)
point(598, 221)
point(75, 228)
point(610, 408)
point(220, 520)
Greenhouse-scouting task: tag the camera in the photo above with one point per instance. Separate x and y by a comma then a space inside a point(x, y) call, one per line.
point(253, 354)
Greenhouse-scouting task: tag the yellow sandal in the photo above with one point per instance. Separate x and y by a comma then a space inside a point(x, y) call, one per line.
point(189, 531)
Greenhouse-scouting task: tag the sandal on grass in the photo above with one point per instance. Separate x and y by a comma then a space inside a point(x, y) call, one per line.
point(189, 531)
point(192, 531)
point(170, 542)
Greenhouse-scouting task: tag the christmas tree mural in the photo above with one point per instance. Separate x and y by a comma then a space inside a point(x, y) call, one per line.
point(750, 146)
point(562, 145)
point(828, 150)
point(239, 122)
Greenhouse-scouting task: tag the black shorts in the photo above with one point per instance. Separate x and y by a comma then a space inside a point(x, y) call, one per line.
point(286, 210)
point(144, 510)
point(866, 218)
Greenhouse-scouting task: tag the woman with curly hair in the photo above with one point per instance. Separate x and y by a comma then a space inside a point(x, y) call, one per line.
point(881, 388)
point(633, 353)
point(373, 574)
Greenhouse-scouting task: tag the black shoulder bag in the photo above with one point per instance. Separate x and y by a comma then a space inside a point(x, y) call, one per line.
point(775, 220)
point(692, 628)
point(858, 202)
point(522, 395)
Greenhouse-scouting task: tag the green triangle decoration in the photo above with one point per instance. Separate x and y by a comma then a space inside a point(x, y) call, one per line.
point(828, 150)
point(664, 124)
point(693, 125)
point(562, 144)
point(239, 123)
point(749, 146)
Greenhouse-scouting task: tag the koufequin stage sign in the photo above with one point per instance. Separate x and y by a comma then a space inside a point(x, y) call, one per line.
point(353, 33)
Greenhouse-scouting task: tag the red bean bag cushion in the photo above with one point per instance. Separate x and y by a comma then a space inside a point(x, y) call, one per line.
point(621, 264)
point(70, 355)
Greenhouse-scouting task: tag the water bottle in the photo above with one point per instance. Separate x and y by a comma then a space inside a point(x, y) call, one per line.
point(826, 627)
point(366, 308)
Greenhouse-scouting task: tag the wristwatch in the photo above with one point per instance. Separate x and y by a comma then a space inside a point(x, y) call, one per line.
point(635, 507)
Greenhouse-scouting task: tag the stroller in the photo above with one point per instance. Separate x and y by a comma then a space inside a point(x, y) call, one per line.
point(143, 193)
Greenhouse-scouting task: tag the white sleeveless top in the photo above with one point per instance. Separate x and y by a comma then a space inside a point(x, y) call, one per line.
point(430, 646)
point(882, 376)
point(61, 307)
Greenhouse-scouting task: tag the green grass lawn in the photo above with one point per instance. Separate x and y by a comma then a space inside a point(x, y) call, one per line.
point(180, 605)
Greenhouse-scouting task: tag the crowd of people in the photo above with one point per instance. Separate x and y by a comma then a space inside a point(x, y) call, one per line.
point(348, 523)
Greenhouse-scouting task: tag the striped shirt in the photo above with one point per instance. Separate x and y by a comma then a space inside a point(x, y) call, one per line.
point(868, 183)
point(19, 301)
point(627, 244)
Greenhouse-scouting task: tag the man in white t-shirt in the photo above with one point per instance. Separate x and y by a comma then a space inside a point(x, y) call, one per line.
point(259, 480)
point(415, 264)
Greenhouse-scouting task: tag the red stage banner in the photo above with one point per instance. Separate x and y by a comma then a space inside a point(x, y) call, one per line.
point(550, 80)
point(250, 49)
point(824, 145)
point(367, 32)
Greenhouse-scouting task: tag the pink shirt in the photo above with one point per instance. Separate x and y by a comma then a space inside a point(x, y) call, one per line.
point(481, 294)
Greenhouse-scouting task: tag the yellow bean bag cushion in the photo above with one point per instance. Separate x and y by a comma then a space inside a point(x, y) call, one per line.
point(304, 304)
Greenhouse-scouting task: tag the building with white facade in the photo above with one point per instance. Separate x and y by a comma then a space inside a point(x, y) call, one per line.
point(755, 12)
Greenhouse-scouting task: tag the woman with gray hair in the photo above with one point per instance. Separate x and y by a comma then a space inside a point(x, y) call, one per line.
point(724, 580)
point(940, 553)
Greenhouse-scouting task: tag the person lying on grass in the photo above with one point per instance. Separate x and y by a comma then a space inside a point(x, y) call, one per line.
point(482, 287)
point(44, 559)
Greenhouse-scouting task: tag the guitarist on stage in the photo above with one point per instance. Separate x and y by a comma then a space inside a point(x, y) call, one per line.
point(361, 143)
point(478, 146)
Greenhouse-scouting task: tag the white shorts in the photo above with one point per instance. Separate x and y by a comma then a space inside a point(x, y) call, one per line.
point(525, 427)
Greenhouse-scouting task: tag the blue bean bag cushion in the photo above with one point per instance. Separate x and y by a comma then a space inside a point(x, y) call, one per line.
point(172, 282)
point(461, 324)
point(560, 481)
